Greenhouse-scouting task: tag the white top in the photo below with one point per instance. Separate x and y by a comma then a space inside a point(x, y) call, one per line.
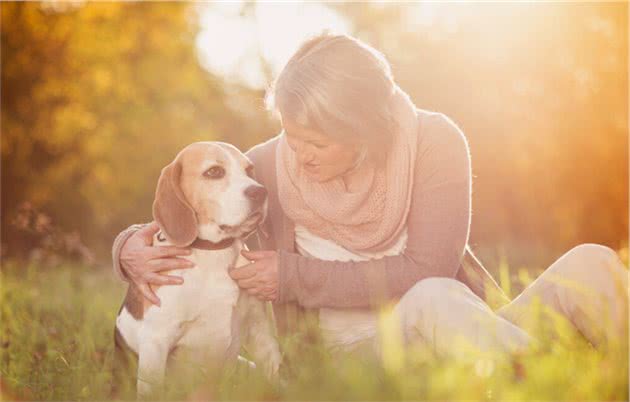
point(309, 244)
point(343, 328)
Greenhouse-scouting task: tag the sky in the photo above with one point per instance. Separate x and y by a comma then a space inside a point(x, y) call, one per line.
point(231, 43)
point(241, 41)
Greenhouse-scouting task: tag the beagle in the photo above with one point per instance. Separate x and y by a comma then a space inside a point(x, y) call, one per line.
point(208, 200)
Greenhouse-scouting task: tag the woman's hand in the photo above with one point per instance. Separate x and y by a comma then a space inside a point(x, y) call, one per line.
point(143, 264)
point(260, 277)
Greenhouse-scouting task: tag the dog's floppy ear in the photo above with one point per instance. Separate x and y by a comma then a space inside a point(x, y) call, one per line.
point(171, 211)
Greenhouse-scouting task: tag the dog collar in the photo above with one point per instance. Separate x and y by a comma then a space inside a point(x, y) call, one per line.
point(208, 245)
point(205, 244)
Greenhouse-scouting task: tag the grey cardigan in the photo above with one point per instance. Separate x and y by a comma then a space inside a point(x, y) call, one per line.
point(438, 227)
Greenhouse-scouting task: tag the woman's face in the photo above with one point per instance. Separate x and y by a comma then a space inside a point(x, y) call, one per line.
point(321, 157)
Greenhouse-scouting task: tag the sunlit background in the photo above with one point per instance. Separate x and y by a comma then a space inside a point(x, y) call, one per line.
point(97, 97)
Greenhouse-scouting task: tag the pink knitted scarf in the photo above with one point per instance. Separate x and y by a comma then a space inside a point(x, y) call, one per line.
point(365, 209)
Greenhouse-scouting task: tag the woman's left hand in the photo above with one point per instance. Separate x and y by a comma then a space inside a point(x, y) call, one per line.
point(260, 277)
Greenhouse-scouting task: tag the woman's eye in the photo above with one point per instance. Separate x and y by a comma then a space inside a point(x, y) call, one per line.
point(320, 146)
point(215, 172)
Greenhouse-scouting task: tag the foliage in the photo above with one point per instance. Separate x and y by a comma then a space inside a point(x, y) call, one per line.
point(57, 344)
point(52, 245)
point(541, 92)
point(96, 99)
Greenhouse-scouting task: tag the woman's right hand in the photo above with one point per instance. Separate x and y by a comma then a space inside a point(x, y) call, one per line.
point(144, 264)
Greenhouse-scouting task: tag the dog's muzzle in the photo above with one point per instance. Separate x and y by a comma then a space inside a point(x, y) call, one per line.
point(256, 194)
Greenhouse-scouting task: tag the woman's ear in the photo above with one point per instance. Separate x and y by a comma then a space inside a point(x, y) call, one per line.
point(171, 211)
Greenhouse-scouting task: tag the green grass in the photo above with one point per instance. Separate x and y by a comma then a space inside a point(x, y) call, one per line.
point(57, 344)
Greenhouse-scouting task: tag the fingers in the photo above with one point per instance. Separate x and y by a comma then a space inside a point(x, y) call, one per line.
point(268, 291)
point(164, 264)
point(148, 231)
point(261, 291)
point(249, 282)
point(169, 251)
point(146, 291)
point(264, 295)
point(270, 296)
point(253, 291)
point(162, 280)
point(244, 272)
point(257, 255)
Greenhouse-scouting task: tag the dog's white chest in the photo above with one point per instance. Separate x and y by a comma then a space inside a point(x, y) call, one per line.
point(197, 315)
point(202, 309)
point(210, 303)
point(207, 287)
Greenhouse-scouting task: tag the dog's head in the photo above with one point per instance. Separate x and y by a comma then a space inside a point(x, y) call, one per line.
point(209, 192)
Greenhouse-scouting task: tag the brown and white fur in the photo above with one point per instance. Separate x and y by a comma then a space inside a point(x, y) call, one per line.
point(207, 193)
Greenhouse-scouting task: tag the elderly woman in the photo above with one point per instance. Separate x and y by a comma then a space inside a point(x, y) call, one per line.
point(369, 204)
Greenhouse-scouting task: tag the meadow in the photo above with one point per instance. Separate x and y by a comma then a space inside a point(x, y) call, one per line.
point(97, 97)
point(57, 344)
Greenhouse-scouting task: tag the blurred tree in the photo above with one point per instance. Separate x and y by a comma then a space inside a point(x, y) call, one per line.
point(96, 99)
point(541, 93)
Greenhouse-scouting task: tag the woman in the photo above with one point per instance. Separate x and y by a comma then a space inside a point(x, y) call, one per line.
point(370, 203)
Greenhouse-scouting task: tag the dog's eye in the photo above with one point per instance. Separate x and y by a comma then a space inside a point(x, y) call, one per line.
point(250, 171)
point(215, 172)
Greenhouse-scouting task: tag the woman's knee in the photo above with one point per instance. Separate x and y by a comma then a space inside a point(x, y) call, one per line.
point(588, 266)
point(592, 250)
point(587, 258)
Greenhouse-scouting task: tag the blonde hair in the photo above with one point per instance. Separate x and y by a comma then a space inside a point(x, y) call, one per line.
point(339, 86)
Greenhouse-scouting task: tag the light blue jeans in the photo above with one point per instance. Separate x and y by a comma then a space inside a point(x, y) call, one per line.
point(588, 286)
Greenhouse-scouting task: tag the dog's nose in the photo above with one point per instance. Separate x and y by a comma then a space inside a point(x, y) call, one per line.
point(257, 194)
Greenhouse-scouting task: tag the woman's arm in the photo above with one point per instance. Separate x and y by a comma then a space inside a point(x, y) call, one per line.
point(135, 260)
point(438, 227)
point(119, 242)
